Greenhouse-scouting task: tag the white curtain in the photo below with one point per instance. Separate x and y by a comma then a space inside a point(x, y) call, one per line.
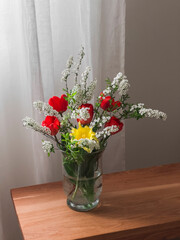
point(36, 38)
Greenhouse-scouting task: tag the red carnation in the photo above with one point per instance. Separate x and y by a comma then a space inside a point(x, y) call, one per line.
point(109, 104)
point(91, 112)
point(116, 122)
point(52, 123)
point(59, 104)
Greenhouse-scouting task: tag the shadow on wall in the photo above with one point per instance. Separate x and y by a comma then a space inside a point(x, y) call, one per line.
point(152, 66)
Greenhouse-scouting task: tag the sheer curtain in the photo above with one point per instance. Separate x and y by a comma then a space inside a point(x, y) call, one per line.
point(36, 38)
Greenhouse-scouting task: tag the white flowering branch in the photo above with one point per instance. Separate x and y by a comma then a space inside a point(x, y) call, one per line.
point(66, 73)
point(121, 84)
point(48, 147)
point(32, 124)
point(89, 91)
point(76, 70)
point(46, 109)
point(76, 98)
point(148, 112)
point(106, 132)
point(84, 78)
point(98, 122)
point(70, 62)
point(123, 87)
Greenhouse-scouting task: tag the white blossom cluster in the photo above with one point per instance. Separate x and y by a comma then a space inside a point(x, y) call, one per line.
point(136, 106)
point(31, 123)
point(82, 114)
point(67, 71)
point(46, 109)
point(76, 69)
point(69, 62)
point(90, 91)
point(121, 82)
point(78, 97)
point(47, 146)
point(65, 120)
point(148, 112)
point(123, 87)
point(88, 144)
point(82, 96)
point(107, 91)
point(106, 132)
point(99, 121)
point(153, 113)
point(85, 75)
point(116, 81)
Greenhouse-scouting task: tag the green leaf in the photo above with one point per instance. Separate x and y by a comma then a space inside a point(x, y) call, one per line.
point(73, 94)
point(97, 104)
point(108, 81)
point(64, 90)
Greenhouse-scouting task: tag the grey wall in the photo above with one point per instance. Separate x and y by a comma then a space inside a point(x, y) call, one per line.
point(153, 69)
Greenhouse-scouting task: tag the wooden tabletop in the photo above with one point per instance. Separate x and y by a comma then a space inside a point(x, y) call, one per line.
point(135, 205)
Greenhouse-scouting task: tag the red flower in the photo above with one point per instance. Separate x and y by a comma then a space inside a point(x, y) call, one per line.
point(52, 123)
point(91, 112)
point(109, 104)
point(59, 104)
point(114, 121)
point(116, 105)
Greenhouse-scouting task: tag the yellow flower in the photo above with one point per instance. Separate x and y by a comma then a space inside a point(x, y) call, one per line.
point(83, 132)
point(85, 137)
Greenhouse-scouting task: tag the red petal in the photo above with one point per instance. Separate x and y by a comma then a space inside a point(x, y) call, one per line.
point(63, 103)
point(52, 123)
point(55, 102)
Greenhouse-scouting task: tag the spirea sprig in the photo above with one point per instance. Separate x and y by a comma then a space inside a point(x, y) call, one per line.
point(148, 112)
point(76, 69)
point(106, 132)
point(48, 147)
point(31, 123)
point(46, 109)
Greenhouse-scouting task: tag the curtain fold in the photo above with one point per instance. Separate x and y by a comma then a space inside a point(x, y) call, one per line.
point(99, 25)
point(36, 38)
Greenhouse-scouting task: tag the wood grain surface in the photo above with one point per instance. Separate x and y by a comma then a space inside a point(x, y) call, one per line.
point(137, 204)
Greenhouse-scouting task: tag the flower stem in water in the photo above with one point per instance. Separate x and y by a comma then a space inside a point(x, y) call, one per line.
point(77, 183)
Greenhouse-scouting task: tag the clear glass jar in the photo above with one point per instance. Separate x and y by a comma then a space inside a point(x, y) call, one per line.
point(82, 181)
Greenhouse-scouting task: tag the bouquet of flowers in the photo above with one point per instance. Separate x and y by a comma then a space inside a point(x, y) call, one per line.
point(81, 130)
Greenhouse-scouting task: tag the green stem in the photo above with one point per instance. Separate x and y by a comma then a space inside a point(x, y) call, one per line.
point(77, 183)
point(67, 84)
point(68, 121)
point(57, 140)
point(76, 75)
point(48, 136)
point(96, 127)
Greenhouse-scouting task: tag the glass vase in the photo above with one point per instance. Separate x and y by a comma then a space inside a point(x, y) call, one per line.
point(82, 179)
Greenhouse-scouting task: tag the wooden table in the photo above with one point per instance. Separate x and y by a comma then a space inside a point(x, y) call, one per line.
point(135, 205)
